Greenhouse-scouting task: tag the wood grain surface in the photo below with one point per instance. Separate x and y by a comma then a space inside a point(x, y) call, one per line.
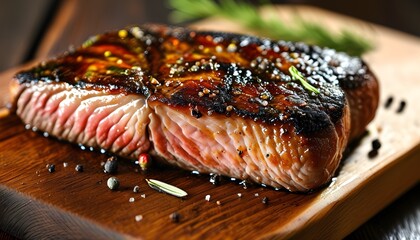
point(70, 204)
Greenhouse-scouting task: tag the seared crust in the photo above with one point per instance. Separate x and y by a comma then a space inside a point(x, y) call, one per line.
point(208, 72)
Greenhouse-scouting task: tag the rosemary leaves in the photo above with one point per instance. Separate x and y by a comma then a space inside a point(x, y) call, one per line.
point(249, 17)
point(166, 188)
point(296, 75)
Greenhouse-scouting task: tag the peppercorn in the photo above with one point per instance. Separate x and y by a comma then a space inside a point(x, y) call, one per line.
point(376, 144)
point(111, 165)
point(175, 217)
point(196, 113)
point(389, 102)
point(373, 153)
point(79, 168)
point(113, 183)
point(51, 168)
point(144, 161)
point(401, 107)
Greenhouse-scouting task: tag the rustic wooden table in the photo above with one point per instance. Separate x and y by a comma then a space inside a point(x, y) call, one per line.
point(42, 28)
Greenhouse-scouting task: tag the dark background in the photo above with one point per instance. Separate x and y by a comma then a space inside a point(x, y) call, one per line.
point(27, 21)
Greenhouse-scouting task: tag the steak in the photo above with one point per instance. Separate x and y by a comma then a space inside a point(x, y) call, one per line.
point(273, 112)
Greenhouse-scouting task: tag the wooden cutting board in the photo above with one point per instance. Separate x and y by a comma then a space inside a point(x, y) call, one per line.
point(35, 203)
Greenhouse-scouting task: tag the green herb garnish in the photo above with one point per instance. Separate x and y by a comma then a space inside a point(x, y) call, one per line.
point(249, 17)
point(166, 188)
point(296, 75)
point(89, 42)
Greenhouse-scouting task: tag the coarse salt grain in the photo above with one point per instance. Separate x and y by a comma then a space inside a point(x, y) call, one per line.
point(65, 164)
point(207, 198)
point(139, 218)
point(131, 199)
point(143, 195)
point(240, 195)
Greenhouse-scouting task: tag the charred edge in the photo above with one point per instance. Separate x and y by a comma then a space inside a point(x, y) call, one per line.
point(357, 80)
point(305, 120)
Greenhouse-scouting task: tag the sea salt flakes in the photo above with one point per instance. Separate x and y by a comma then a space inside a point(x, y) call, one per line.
point(207, 198)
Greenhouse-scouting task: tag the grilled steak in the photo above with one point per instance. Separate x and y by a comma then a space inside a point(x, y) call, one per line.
point(208, 101)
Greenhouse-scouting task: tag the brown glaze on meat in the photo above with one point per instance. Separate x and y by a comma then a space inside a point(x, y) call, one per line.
point(208, 72)
point(217, 81)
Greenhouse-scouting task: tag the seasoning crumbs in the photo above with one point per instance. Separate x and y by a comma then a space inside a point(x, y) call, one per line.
point(265, 200)
point(138, 218)
point(175, 217)
point(79, 168)
point(215, 179)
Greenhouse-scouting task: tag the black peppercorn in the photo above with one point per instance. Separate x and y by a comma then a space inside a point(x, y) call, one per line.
point(373, 153)
point(51, 168)
point(175, 217)
point(389, 102)
point(196, 113)
point(376, 144)
point(401, 107)
point(111, 165)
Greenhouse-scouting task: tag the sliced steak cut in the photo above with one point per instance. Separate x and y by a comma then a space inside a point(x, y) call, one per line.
point(208, 101)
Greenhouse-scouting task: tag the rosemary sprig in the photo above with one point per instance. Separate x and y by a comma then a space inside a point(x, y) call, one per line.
point(296, 75)
point(249, 17)
point(166, 188)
